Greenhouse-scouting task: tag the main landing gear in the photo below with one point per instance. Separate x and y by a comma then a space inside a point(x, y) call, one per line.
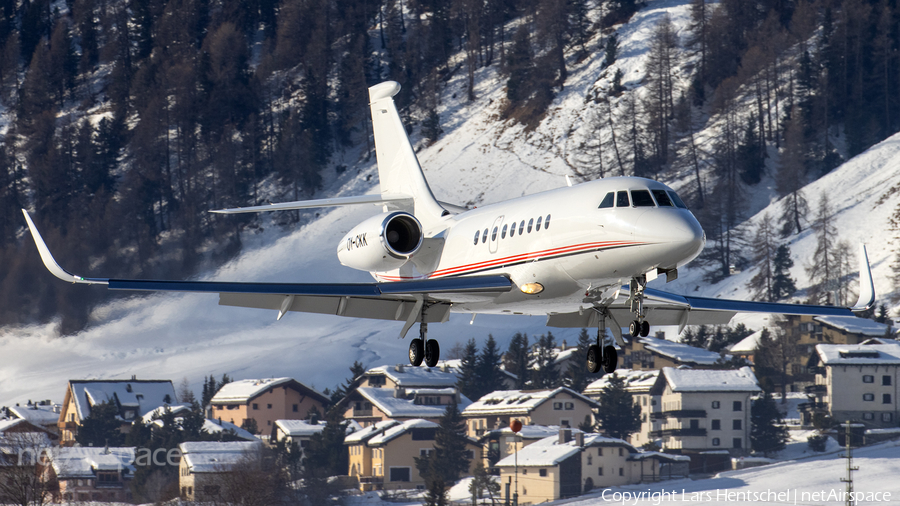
point(602, 353)
point(423, 348)
point(638, 327)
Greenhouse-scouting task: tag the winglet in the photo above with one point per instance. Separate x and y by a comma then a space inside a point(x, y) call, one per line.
point(866, 285)
point(50, 263)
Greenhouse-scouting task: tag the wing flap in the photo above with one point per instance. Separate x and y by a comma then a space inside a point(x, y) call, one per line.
point(356, 307)
point(397, 200)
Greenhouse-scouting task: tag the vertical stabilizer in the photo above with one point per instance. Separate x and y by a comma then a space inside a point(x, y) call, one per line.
point(398, 167)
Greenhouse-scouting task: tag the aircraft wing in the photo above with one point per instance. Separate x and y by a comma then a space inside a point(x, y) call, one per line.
point(400, 301)
point(664, 308)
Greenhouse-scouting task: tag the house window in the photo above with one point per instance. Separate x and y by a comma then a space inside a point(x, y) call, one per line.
point(715, 404)
point(255, 406)
point(868, 378)
point(736, 425)
point(268, 406)
point(868, 416)
point(399, 474)
point(717, 425)
point(736, 443)
point(570, 405)
point(695, 424)
point(543, 472)
point(885, 398)
point(621, 471)
point(715, 441)
point(524, 470)
point(599, 452)
point(620, 452)
point(868, 397)
point(295, 408)
point(886, 417)
point(886, 380)
point(557, 406)
point(599, 471)
point(590, 459)
point(737, 406)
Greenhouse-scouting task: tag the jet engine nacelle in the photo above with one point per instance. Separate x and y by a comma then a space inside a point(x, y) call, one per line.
point(381, 243)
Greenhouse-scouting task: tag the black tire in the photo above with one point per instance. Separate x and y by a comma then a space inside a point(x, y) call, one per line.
point(593, 359)
point(634, 328)
point(610, 359)
point(416, 352)
point(432, 352)
point(645, 328)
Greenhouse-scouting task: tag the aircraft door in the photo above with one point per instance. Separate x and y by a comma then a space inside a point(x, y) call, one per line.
point(495, 234)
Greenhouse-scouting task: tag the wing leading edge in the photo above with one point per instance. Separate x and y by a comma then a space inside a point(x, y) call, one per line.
point(400, 301)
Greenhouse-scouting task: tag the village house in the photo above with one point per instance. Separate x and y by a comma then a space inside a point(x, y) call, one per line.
point(224, 430)
point(382, 456)
point(204, 465)
point(44, 414)
point(855, 382)
point(131, 398)
point(703, 413)
point(571, 463)
point(255, 404)
point(560, 406)
point(497, 444)
point(91, 474)
point(656, 352)
point(638, 382)
point(370, 405)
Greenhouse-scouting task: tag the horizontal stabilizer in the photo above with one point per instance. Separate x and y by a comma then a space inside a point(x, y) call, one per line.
point(402, 200)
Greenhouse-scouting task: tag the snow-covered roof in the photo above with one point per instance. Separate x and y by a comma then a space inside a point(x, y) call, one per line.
point(659, 455)
point(211, 457)
point(444, 375)
point(854, 325)
point(403, 407)
point(550, 452)
point(635, 380)
point(705, 380)
point(154, 415)
point(140, 395)
point(679, 352)
point(366, 433)
point(747, 344)
point(858, 354)
point(37, 414)
point(9, 423)
point(531, 431)
point(84, 462)
point(517, 402)
point(244, 390)
point(300, 428)
point(213, 426)
point(398, 430)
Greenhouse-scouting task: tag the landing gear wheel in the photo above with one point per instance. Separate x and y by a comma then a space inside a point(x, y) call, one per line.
point(593, 359)
point(635, 328)
point(610, 359)
point(432, 352)
point(645, 328)
point(416, 352)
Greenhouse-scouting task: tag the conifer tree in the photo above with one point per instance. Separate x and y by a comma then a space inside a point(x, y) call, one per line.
point(545, 372)
point(762, 284)
point(822, 269)
point(767, 433)
point(516, 359)
point(450, 460)
point(576, 377)
point(467, 381)
point(488, 368)
point(782, 283)
point(101, 427)
point(619, 415)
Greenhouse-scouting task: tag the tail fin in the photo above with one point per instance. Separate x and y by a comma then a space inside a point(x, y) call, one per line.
point(398, 168)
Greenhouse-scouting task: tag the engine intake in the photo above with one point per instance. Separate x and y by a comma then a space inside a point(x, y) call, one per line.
point(381, 243)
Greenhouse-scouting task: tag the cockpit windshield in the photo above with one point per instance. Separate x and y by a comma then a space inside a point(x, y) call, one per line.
point(662, 199)
point(641, 198)
point(676, 200)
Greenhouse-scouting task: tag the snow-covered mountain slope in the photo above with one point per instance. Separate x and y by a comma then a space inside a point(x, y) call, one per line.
point(478, 160)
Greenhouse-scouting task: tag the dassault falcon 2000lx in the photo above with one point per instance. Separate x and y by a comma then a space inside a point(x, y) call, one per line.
point(582, 255)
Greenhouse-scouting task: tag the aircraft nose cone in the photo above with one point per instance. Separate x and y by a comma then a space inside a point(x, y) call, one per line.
point(678, 232)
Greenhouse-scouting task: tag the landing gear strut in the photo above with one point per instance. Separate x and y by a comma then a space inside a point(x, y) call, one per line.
point(638, 327)
point(422, 348)
point(602, 354)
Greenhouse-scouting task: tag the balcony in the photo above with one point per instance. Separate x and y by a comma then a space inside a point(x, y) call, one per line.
point(685, 432)
point(371, 479)
point(362, 413)
point(816, 389)
point(816, 370)
point(680, 413)
point(812, 406)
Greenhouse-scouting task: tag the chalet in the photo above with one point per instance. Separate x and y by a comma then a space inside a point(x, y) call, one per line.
point(638, 382)
point(204, 465)
point(369, 405)
point(382, 456)
point(220, 428)
point(91, 474)
point(255, 404)
point(560, 406)
point(656, 352)
point(44, 414)
point(572, 463)
point(131, 398)
point(855, 382)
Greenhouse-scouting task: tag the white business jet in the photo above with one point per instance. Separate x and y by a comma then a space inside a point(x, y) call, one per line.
point(582, 255)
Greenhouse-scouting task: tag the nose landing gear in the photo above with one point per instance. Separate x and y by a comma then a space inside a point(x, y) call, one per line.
point(602, 354)
point(638, 327)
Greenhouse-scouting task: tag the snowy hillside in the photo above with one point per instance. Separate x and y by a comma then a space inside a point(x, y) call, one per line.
point(477, 160)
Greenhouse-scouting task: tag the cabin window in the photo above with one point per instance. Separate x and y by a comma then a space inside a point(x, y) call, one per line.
point(503, 232)
point(530, 223)
point(521, 227)
point(662, 198)
point(512, 229)
point(607, 201)
point(547, 222)
point(537, 227)
point(622, 199)
point(677, 200)
point(477, 235)
point(494, 234)
point(484, 236)
point(642, 198)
